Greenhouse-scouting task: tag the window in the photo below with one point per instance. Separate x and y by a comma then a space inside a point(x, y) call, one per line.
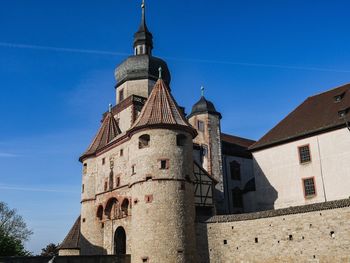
point(121, 95)
point(133, 170)
point(180, 140)
point(144, 141)
point(304, 154)
point(124, 207)
point(82, 188)
point(237, 199)
point(103, 161)
point(339, 97)
point(118, 181)
point(99, 212)
point(121, 152)
point(342, 113)
point(235, 169)
point(148, 198)
point(200, 125)
point(105, 186)
point(309, 187)
point(85, 168)
point(111, 180)
point(164, 164)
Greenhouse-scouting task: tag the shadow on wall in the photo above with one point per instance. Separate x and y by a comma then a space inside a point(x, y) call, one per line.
point(86, 248)
point(202, 242)
point(266, 194)
point(69, 259)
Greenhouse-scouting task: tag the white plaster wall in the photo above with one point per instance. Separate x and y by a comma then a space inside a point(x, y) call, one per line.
point(279, 174)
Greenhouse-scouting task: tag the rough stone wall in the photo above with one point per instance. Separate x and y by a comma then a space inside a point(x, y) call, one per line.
point(142, 87)
point(68, 252)
point(316, 236)
point(163, 212)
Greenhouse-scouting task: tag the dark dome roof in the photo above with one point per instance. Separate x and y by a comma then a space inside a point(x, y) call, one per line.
point(141, 67)
point(204, 106)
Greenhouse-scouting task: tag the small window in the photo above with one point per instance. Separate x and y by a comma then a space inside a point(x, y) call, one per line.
point(235, 169)
point(103, 161)
point(99, 212)
point(164, 164)
point(237, 198)
point(105, 186)
point(118, 181)
point(85, 168)
point(304, 154)
point(121, 95)
point(121, 152)
point(144, 141)
point(111, 180)
point(339, 97)
point(343, 113)
point(133, 170)
point(309, 187)
point(180, 140)
point(148, 198)
point(200, 125)
point(82, 188)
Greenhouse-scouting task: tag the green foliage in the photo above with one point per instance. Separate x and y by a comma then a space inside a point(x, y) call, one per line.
point(13, 232)
point(50, 250)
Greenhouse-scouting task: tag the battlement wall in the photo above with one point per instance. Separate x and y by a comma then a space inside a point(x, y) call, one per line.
point(312, 233)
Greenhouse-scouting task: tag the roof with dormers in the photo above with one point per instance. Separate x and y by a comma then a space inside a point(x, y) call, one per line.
point(161, 110)
point(108, 131)
point(72, 239)
point(317, 114)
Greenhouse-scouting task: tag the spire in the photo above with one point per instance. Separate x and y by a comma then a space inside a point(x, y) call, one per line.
point(202, 91)
point(162, 111)
point(143, 39)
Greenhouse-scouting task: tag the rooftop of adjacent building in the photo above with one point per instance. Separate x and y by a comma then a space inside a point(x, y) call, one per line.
point(317, 114)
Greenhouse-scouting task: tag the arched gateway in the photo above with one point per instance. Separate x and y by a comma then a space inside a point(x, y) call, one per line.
point(120, 241)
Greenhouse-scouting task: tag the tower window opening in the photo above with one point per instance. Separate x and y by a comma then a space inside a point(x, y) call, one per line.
point(164, 164)
point(124, 207)
point(148, 198)
point(82, 188)
point(181, 140)
point(99, 212)
point(133, 170)
point(103, 161)
point(121, 95)
point(117, 181)
point(200, 125)
point(144, 141)
point(121, 152)
point(256, 240)
point(84, 168)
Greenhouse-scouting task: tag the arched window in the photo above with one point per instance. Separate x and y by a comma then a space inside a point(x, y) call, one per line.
point(235, 169)
point(112, 208)
point(180, 140)
point(120, 241)
point(144, 141)
point(125, 206)
point(99, 212)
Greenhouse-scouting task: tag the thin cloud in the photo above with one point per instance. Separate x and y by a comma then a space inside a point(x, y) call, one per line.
point(8, 155)
point(193, 60)
point(16, 188)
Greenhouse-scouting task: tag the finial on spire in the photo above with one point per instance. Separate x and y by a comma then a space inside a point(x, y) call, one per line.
point(110, 107)
point(202, 91)
point(143, 4)
point(160, 72)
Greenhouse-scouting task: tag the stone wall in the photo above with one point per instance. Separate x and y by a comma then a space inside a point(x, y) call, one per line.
point(68, 259)
point(312, 233)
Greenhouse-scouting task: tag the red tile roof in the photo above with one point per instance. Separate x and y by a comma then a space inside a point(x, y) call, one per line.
point(161, 110)
point(108, 131)
point(317, 114)
point(73, 237)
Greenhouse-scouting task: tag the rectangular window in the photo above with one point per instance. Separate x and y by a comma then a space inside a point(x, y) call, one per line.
point(105, 186)
point(118, 181)
point(82, 188)
point(133, 170)
point(304, 154)
point(200, 125)
point(85, 168)
point(164, 164)
point(121, 152)
point(121, 95)
point(309, 187)
point(103, 161)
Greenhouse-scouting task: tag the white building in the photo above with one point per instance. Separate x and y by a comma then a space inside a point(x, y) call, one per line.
point(306, 157)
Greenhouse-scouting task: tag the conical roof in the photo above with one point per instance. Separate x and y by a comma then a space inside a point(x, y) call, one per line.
point(161, 110)
point(108, 131)
point(72, 239)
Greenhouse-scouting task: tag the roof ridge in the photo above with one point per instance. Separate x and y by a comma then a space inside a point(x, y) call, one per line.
point(331, 89)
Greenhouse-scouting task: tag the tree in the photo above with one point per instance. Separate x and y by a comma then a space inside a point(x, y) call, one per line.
point(13, 232)
point(50, 250)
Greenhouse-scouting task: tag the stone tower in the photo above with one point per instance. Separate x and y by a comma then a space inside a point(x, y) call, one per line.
point(138, 73)
point(206, 119)
point(162, 226)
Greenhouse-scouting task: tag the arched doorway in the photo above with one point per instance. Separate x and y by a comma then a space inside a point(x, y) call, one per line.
point(120, 241)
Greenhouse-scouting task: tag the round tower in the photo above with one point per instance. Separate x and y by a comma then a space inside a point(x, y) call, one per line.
point(206, 119)
point(162, 182)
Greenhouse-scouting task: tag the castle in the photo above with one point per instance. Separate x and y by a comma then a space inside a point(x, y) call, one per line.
point(165, 187)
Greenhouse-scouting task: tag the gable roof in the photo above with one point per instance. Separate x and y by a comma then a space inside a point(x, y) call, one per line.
point(72, 239)
point(108, 131)
point(161, 110)
point(236, 146)
point(317, 114)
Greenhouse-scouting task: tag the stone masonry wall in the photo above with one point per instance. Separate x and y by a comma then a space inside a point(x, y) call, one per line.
point(313, 233)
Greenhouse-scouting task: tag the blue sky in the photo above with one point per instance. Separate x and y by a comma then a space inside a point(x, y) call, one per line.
point(256, 59)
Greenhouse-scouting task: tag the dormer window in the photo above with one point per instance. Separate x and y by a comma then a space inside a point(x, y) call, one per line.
point(342, 113)
point(339, 97)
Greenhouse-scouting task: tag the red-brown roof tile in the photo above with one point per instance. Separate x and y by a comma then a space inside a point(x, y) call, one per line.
point(315, 115)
